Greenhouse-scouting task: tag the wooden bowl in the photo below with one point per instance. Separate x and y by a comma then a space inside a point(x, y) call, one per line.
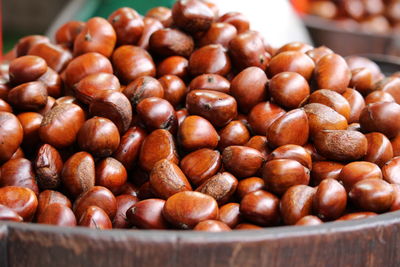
point(325, 32)
point(366, 242)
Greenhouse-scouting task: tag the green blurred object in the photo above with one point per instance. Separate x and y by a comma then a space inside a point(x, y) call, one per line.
point(103, 8)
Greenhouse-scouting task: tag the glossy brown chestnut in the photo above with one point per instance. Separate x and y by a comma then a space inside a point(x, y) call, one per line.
point(96, 196)
point(192, 15)
point(357, 171)
point(212, 226)
point(98, 35)
point(260, 207)
point(66, 34)
point(379, 150)
point(263, 115)
point(167, 179)
point(319, 52)
point(296, 203)
point(128, 25)
point(321, 117)
point(210, 82)
point(357, 215)
point(309, 220)
point(89, 87)
point(30, 122)
point(252, 77)
point(356, 102)
point(22, 200)
point(218, 108)
point(162, 14)
point(249, 185)
point(174, 89)
point(52, 81)
point(84, 65)
point(374, 195)
point(242, 161)
point(96, 218)
point(143, 87)
point(48, 167)
point(48, 197)
point(99, 136)
point(19, 172)
point(195, 132)
point(61, 124)
point(247, 226)
point(151, 25)
point(235, 133)
point(147, 214)
point(124, 203)
point(396, 202)
point(237, 19)
point(260, 143)
point(131, 62)
point(291, 61)
point(28, 96)
point(322, 170)
point(294, 152)
point(219, 33)
point(174, 65)
point(171, 42)
point(55, 56)
point(390, 171)
point(57, 214)
point(25, 43)
point(378, 96)
point(281, 174)
point(330, 200)
point(4, 106)
point(114, 106)
point(157, 113)
point(389, 85)
point(332, 72)
point(129, 147)
point(156, 146)
point(381, 117)
point(111, 174)
point(333, 100)
point(290, 128)
point(396, 146)
point(200, 165)
point(78, 174)
point(248, 50)
point(7, 214)
point(186, 209)
point(26, 69)
point(230, 214)
point(362, 80)
point(209, 59)
point(289, 89)
point(295, 46)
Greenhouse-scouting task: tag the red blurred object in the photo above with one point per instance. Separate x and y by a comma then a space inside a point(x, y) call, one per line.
point(301, 6)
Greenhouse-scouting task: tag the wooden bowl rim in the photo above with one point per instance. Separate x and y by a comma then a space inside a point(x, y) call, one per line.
point(374, 223)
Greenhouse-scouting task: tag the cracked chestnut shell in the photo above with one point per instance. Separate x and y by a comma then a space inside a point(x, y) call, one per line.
point(48, 167)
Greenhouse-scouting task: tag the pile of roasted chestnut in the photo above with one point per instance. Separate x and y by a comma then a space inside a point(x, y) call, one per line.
point(372, 16)
point(184, 119)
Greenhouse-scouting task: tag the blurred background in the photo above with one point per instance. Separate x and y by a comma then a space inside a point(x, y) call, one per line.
point(346, 26)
